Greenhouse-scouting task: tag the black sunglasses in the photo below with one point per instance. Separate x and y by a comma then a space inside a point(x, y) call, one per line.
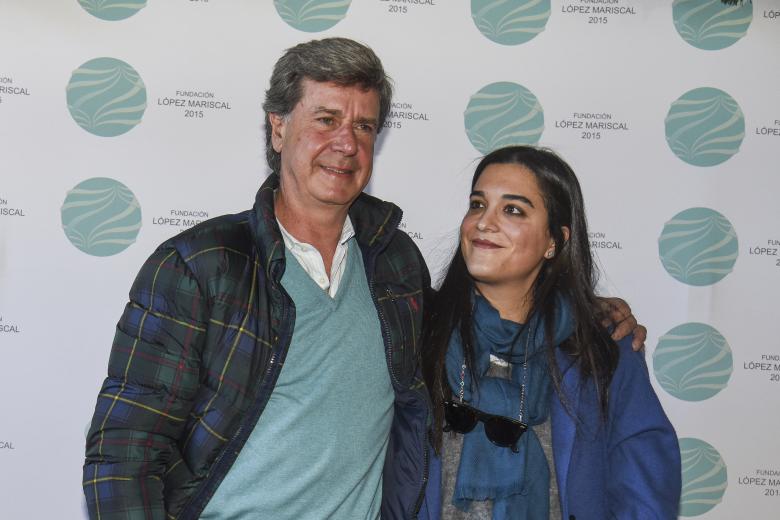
point(501, 431)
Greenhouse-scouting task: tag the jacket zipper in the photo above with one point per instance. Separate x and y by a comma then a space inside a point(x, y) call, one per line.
point(385, 331)
point(426, 469)
point(388, 354)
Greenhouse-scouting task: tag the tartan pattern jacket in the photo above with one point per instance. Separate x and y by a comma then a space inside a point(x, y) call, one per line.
point(200, 345)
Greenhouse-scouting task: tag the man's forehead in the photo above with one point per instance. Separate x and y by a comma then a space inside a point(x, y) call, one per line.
point(308, 83)
point(319, 92)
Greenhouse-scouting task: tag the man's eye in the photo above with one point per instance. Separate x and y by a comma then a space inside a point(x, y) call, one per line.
point(327, 121)
point(366, 127)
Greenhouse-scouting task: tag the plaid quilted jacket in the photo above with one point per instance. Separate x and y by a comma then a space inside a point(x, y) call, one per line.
point(199, 348)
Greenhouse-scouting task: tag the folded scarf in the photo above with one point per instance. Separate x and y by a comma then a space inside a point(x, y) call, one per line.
point(518, 483)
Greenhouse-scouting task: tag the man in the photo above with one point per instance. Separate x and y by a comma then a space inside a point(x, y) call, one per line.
point(266, 361)
point(266, 365)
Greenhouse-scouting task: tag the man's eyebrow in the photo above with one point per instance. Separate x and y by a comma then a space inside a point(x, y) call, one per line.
point(332, 111)
point(338, 113)
point(366, 120)
point(506, 196)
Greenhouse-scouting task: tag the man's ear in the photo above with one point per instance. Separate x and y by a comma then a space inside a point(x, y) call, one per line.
point(278, 125)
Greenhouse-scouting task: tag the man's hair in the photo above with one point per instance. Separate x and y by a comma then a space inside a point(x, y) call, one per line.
point(336, 60)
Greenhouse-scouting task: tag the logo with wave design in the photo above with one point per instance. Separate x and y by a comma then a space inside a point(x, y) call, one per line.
point(705, 127)
point(711, 25)
point(106, 97)
point(312, 15)
point(101, 216)
point(698, 246)
point(112, 10)
point(503, 114)
point(510, 22)
point(704, 477)
point(693, 362)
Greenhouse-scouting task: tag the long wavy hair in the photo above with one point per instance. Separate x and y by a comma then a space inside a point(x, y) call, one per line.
point(570, 273)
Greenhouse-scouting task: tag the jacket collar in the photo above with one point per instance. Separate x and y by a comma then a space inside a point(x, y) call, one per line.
point(374, 221)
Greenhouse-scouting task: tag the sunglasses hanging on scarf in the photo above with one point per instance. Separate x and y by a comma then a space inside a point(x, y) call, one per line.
point(500, 430)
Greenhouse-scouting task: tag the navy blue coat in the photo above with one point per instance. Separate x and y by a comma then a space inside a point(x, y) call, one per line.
point(624, 468)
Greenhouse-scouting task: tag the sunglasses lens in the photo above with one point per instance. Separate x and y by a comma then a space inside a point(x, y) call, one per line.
point(503, 432)
point(461, 419)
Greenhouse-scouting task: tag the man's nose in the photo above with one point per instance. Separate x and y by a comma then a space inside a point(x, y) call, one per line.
point(345, 140)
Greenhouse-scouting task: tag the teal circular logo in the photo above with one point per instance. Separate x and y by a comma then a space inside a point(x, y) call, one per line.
point(112, 10)
point(312, 15)
point(503, 114)
point(698, 246)
point(705, 127)
point(510, 22)
point(101, 216)
point(693, 362)
point(106, 97)
point(704, 477)
point(711, 25)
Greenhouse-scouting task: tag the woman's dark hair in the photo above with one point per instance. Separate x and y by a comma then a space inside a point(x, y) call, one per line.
point(570, 273)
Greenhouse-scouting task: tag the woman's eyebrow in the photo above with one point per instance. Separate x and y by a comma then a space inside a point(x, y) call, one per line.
point(521, 198)
point(507, 196)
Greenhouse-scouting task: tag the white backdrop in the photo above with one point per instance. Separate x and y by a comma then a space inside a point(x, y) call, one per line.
point(667, 110)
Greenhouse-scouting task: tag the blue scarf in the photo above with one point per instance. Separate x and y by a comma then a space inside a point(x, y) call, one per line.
point(518, 483)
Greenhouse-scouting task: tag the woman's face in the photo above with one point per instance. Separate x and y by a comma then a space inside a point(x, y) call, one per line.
point(504, 235)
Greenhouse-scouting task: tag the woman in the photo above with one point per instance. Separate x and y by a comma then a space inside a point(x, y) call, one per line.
point(549, 418)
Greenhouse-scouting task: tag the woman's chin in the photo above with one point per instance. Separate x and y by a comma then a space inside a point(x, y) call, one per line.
point(485, 276)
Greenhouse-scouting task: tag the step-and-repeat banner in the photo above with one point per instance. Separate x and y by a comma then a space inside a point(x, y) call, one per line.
point(123, 122)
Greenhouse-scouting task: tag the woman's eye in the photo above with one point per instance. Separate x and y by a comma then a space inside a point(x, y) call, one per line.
point(514, 210)
point(475, 204)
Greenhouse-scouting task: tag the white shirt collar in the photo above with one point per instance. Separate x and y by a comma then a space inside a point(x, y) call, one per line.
point(311, 261)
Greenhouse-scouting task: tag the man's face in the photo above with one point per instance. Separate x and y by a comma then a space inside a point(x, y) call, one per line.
point(326, 144)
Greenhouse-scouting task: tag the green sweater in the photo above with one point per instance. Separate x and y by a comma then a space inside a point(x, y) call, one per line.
point(319, 447)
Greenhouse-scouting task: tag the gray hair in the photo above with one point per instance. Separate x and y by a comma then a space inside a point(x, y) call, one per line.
point(336, 60)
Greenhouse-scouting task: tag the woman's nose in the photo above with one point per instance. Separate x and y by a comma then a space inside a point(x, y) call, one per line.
point(487, 221)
